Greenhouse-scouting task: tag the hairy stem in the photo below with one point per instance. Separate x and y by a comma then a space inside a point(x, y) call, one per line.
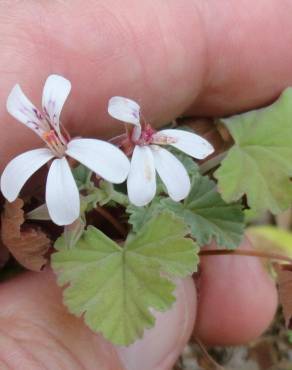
point(240, 252)
point(120, 198)
point(111, 219)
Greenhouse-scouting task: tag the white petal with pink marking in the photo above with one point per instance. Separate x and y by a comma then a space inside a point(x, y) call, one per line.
point(141, 181)
point(62, 195)
point(172, 173)
point(124, 109)
point(55, 93)
point(189, 143)
point(21, 108)
point(20, 169)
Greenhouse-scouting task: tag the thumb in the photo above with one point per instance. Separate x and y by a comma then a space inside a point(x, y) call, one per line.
point(161, 346)
point(42, 334)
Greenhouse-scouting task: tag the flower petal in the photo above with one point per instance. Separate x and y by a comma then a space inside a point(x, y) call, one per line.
point(21, 108)
point(142, 179)
point(101, 157)
point(124, 109)
point(172, 173)
point(190, 143)
point(20, 169)
point(136, 133)
point(55, 93)
point(62, 195)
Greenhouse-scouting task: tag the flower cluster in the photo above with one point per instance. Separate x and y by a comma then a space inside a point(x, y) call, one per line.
point(103, 158)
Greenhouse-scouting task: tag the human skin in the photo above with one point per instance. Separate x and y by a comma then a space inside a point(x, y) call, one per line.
point(200, 57)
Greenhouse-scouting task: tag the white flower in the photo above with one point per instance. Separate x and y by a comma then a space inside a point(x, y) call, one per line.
point(148, 157)
point(62, 195)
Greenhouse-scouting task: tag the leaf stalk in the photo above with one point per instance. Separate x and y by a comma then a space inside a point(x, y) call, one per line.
point(240, 252)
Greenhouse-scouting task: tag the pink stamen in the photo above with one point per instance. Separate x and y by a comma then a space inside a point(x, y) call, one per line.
point(54, 142)
point(150, 136)
point(50, 137)
point(146, 135)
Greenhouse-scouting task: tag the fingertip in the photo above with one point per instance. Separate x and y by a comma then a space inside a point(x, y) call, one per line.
point(237, 299)
point(161, 346)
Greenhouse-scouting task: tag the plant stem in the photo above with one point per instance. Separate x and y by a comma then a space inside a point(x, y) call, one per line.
point(213, 364)
point(240, 252)
point(120, 198)
point(213, 162)
point(110, 218)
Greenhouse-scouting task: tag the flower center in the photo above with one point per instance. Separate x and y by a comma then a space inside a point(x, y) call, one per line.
point(55, 143)
point(146, 135)
point(150, 136)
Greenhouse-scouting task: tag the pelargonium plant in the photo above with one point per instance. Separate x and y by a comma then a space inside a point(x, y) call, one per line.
point(135, 212)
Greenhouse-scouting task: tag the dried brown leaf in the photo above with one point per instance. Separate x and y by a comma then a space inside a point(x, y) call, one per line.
point(27, 245)
point(284, 277)
point(264, 353)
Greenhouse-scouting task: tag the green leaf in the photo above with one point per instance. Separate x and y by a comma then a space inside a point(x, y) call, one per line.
point(139, 216)
point(252, 215)
point(82, 176)
point(289, 336)
point(115, 288)
point(103, 194)
point(270, 238)
point(260, 163)
point(208, 216)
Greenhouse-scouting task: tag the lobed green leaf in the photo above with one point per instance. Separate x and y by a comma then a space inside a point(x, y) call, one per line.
point(260, 162)
point(116, 288)
point(208, 216)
